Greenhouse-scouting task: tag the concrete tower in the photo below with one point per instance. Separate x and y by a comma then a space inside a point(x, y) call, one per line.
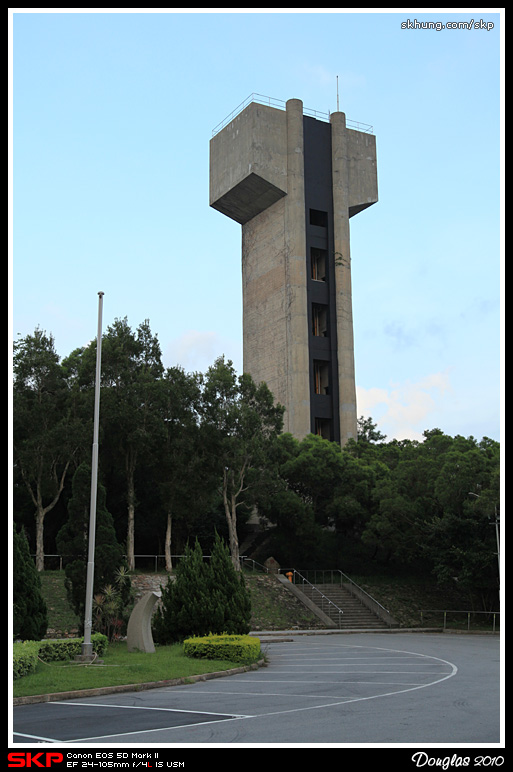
point(293, 181)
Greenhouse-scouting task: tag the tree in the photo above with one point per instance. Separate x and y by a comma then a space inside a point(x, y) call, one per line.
point(462, 540)
point(185, 607)
point(179, 465)
point(239, 422)
point(30, 614)
point(73, 542)
point(229, 588)
point(46, 433)
point(368, 431)
point(205, 597)
point(324, 498)
point(131, 369)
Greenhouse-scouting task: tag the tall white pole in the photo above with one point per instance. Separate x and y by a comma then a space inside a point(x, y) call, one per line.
point(87, 646)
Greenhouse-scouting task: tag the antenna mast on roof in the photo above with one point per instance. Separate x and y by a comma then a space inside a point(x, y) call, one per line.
point(337, 95)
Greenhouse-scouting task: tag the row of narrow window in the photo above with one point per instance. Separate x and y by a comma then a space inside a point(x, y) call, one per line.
point(318, 272)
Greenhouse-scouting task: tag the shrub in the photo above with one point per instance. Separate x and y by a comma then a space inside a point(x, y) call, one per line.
point(237, 648)
point(24, 657)
point(111, 606)
point(68, 648)
point(26, 653)
point(204, 598)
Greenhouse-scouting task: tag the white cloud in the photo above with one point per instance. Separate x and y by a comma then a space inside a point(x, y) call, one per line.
point(403, 411)
point(196, 351)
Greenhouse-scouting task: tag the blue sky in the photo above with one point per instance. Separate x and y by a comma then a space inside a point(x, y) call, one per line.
point(112, 114)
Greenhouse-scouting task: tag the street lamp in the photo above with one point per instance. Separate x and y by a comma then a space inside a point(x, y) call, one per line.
point(87, 646)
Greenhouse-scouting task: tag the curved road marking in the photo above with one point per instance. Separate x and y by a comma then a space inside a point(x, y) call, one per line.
point(453, 672)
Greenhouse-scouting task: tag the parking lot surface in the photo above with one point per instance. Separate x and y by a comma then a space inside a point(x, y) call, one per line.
point(333, 689)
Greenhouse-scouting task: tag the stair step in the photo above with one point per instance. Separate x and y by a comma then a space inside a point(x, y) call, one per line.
point(355, 615)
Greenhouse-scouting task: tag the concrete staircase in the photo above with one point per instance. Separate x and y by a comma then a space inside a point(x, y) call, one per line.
point(332, 597)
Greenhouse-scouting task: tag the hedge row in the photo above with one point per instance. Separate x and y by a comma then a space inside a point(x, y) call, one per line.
point(236, 648)
point(26, 653)
point(24, 657)
point(68, 648)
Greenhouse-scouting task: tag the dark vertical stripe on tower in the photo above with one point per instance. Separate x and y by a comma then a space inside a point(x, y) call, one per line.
point(319, 235)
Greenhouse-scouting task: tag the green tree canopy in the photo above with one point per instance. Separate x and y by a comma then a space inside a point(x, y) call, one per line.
point(30, 613)
point(46, 433)
point(73, 542)
point(205, 596)
point(239, 422)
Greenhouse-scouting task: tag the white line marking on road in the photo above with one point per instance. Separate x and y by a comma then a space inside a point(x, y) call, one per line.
point(142, 707)
point(36, 737)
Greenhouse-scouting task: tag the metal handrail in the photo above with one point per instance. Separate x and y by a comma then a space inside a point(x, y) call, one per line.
point(281, 104)
point(304, 580)
point(348, 579)
point(360, 589)
point(255, 565)
point(156, 559)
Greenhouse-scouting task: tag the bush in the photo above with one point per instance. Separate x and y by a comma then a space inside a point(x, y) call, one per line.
point(24, 657)
point(111, 606)
point(204, 598)
point(26, 653)
point(68, 648)
point(237, 648)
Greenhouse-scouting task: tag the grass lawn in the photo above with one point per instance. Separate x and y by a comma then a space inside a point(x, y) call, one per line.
point(120, 667)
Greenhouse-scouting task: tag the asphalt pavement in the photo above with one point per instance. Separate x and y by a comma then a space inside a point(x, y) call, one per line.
point(337, 689)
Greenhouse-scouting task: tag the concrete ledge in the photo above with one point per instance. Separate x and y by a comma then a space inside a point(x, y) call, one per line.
point(356, 631)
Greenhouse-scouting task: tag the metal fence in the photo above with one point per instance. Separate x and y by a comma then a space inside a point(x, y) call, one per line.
point(281, 105)
point(472, 619)
point(154, 563)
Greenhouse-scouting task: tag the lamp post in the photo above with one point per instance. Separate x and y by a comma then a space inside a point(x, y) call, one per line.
point(87, 646)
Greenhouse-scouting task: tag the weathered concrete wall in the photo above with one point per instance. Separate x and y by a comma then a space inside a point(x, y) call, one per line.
point(344, 303)
point(355, 187)
point(264, 300)
point(298, 366)
point(275, 321)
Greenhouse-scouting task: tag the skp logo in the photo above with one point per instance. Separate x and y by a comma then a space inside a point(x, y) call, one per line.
point(34, 759)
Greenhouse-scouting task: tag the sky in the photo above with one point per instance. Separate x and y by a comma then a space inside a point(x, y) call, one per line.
point(111, 114)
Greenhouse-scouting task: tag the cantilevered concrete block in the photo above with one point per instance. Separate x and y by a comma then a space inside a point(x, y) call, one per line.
point(361, 170)
point(139, 637)
point(248, 163)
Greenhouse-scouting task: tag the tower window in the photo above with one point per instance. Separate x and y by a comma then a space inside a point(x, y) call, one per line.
point(320, 320)
point(319, 218)
point(318, 264)
point(323, 428)
point(321, 377)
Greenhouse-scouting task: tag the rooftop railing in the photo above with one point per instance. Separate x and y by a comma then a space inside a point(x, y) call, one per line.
point(281, 105)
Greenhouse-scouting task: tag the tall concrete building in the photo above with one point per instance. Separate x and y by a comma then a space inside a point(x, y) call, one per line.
point(293, 181)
